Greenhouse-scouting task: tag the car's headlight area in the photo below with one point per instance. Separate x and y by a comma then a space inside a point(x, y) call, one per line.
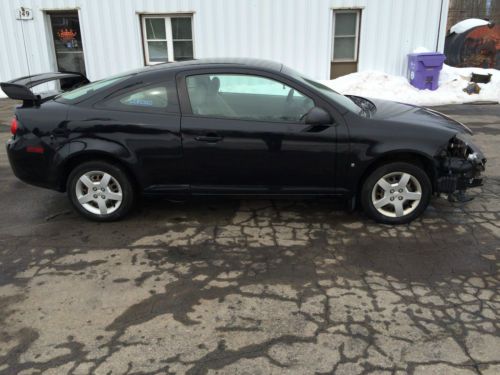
point(461, 163)
point(460, 147)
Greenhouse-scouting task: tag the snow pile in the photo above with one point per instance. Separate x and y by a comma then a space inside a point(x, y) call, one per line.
point(421, 50)
point(468, 24)
point(452, 81)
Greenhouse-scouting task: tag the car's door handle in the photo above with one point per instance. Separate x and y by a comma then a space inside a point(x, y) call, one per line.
point(59, 132)
point(210, 138)
point(317, 128)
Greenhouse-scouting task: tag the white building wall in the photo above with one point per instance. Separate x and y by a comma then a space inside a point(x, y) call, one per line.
point(295, 32)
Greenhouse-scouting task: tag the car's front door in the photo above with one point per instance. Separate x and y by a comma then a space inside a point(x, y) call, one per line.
point(244, 133)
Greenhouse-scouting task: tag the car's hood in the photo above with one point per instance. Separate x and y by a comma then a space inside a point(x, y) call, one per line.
point(410, 114)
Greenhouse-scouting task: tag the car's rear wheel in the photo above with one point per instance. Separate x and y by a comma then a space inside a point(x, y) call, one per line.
point(100, 191)
point(396, 193)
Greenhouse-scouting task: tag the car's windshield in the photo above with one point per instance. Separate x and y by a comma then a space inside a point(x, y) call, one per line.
point(334, 95)
point(94, 87)
point(344, 101)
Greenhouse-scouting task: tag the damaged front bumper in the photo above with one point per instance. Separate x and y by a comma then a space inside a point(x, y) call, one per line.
point(460, 166)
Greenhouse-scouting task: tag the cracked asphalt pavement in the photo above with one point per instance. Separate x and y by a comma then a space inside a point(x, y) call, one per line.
point(251, 287)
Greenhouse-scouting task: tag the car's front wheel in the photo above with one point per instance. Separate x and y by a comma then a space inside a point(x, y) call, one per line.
point(100, 191)
point(396, 193)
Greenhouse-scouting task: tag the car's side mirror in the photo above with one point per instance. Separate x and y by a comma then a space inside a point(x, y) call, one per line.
point(318, 116)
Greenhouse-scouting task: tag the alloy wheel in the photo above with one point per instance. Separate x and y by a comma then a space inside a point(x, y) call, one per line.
point(396, 194)
point(99, 193)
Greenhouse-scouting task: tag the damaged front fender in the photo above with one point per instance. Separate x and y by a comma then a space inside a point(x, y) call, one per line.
point(460, 165)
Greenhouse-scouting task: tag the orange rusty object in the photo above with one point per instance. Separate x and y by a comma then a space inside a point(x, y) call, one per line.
point(486, 33)
point(66, 35)
point(481, 46)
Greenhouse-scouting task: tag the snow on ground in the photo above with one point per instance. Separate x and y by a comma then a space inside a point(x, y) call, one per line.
point(452, 81)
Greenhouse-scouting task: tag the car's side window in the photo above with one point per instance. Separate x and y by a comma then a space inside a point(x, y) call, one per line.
point(247, 97)
point(159, 97)
point(155, 97)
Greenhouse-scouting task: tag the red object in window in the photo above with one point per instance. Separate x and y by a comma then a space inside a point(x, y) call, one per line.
point(13, 126)
point(35, 149)
point(66, 35)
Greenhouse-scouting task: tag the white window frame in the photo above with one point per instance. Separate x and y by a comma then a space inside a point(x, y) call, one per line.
point(356, 36)
point(168, 34)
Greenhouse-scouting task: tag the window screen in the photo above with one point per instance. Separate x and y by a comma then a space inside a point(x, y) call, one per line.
point(167, 38)
point(345, 41)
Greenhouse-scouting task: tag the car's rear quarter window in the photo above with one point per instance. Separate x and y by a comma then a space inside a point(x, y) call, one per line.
point(156, 97)
point(90, 89)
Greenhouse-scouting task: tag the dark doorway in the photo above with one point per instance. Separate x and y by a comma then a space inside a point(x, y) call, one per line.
point(67, 39)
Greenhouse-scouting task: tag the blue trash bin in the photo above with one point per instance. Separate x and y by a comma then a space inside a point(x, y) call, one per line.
point(424, 68)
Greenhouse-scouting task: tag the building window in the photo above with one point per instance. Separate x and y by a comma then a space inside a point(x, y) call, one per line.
point(167, 38)
point(345, 35)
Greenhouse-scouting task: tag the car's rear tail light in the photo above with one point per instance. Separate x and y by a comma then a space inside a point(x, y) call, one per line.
point(13, 126)
point(35, 149)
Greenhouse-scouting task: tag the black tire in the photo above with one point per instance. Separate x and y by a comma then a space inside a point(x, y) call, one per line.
point(416, 172)
point(123, 182)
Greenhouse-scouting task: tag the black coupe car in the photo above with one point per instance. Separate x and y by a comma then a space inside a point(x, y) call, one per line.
point(234, 127)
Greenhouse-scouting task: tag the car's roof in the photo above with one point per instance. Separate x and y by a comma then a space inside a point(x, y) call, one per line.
point(220, 62)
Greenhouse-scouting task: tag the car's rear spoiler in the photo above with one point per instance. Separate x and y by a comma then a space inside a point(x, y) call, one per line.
point(19, 88)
